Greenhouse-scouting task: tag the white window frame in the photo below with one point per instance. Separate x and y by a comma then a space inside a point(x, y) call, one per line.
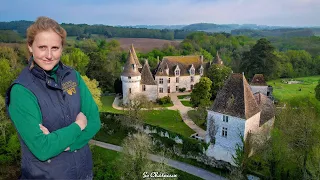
point(143, 87)
point(161, 90)
point(177, 72)
point(224, 132)
point(160, 80)
point(225, 118)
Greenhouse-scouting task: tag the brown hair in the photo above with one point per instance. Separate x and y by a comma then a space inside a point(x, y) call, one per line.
point(45, 24)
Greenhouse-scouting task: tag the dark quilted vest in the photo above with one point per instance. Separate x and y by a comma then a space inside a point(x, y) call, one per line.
point(60, 105)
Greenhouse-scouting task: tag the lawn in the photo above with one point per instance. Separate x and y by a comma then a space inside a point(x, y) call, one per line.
point(183, 96)
point(168, 119)
point(295, 94)
point(107, 105)
point(193, 115)
point(105, 165)
point(186, 103)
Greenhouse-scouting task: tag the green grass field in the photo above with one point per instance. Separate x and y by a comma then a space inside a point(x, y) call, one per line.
point(168, 119)
point(186, 103)
point(296, 94)
point(183, 96)
point(107, 105)
point(193, 114)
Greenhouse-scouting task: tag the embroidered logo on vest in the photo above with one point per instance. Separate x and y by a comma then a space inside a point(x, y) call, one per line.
point(69, 87)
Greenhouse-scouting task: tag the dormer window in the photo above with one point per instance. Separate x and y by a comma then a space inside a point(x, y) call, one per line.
point(192, 70)
point(160, 70)
point(177, 72)
point(133, 66)
point(201, 71)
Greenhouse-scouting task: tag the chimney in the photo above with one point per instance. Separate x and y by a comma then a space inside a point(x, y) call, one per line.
point(158, 60)
point(201, 59)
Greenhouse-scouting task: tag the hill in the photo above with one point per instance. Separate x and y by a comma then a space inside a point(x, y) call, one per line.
point(144, 44)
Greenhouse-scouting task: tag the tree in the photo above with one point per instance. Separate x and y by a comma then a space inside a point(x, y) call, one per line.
point(201, 92)
point(241, 158)
point(300, 129)
point(76, 59)
point(134, 160)
point(260, 59)
point(94, 89)
point(317, 91)
point(217, 74)
point(7, 75)
point(133, 110)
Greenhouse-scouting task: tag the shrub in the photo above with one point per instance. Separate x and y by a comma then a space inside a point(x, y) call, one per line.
point(164, 100)
point(182, 89)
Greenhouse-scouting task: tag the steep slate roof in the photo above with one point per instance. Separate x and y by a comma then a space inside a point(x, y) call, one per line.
point(267, 107)
point(146, 76)
point(184, 63)
point(236, 98)
point(135, 57)
point(258, 80)
point(217, 59)
point(128, 67)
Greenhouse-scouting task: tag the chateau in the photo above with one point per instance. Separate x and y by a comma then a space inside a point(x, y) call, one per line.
point(172, 74)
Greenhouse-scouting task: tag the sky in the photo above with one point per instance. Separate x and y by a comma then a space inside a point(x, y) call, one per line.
point(166, 12)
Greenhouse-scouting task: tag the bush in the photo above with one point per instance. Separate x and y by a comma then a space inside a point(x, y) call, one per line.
point(182, 89)
point(164, 100)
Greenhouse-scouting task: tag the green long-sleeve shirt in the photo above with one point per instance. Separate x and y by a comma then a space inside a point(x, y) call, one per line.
point(26, 115)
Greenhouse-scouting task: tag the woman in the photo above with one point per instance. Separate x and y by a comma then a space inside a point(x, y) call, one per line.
point(52, 110)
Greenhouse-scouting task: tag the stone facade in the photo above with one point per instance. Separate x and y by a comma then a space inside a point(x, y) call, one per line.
point(235, 113)
point(172, 74)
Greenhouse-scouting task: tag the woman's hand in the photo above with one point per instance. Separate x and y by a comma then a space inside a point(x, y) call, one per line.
point(44, 129)
point(46, 132)
point(81, 120)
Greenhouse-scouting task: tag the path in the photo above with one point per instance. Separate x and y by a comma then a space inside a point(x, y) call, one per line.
point(204, 174)
point(177, 105)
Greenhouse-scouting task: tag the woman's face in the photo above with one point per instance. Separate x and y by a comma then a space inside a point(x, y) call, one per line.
point(46, 49)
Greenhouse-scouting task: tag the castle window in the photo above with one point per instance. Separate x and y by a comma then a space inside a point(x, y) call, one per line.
point(225, 118)
point(177, 80)
point(160, 90)
point(168, 80)
point(130, 91)
point(177, 88)
point(192, 79)
point(192, 71)
point(161, 81)
point(129, 77)
point(201, 71)
point(177, 72)
point(143, 87)
point(224, 132)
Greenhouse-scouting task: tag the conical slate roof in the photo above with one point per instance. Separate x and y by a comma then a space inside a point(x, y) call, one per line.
point(146, 76)
point(130, 68)
point(217, 59)
point(236, 98)
point(135, 57)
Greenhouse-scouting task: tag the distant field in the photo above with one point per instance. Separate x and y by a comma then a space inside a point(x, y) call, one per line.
point(144, 44)
point(295, 94)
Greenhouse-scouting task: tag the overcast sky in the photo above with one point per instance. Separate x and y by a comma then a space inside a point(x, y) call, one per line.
point(166, 12)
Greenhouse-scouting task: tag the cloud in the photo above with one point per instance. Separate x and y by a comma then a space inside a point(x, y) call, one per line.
point(122, 12)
